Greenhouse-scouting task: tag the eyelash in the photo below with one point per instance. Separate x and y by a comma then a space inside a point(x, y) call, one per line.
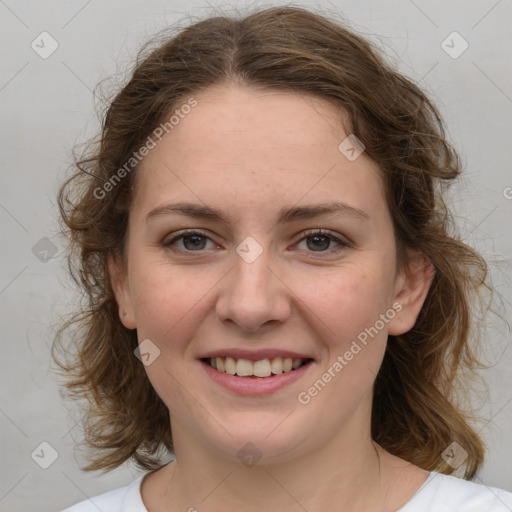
point(305, 234)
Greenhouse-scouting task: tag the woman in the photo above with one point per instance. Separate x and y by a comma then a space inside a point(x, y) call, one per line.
point(275, 297)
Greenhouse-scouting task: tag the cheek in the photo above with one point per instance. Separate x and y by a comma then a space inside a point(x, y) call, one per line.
point(347, 301)
point(353, 306)
point(167, 304)
point(161, 299)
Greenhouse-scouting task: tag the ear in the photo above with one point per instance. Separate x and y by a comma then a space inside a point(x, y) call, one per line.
point(411, 289)
point(122, 293)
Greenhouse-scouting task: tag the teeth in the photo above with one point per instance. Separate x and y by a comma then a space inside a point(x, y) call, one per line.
point(261, 368)
point(277, 366)
point(230, 366)
point(244, 367)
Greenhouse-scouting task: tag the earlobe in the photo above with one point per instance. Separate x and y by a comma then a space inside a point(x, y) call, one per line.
point(413, 286)
point(121, 291)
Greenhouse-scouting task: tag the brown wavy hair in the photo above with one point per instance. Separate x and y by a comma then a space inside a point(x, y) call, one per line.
point(417, 411)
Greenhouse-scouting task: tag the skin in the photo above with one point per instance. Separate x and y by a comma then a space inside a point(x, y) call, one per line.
point(249, 153)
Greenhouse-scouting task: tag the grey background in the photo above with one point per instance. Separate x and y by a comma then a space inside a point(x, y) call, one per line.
point(47, 106)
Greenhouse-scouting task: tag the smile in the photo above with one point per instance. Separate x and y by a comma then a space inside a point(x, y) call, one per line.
point(259, 376)
point(262, 368)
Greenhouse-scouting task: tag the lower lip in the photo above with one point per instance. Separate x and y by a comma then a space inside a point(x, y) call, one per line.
point(257, 385)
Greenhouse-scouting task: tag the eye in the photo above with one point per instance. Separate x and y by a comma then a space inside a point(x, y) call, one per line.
point(193, 241)
point(319, 240)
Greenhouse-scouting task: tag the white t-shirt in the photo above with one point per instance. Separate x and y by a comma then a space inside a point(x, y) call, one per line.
point(439, 493)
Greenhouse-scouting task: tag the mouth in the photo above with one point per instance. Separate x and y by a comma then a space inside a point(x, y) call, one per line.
point(259, 372)
point(260, 369)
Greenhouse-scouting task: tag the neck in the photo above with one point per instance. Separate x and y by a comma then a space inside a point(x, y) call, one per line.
point(344, 474)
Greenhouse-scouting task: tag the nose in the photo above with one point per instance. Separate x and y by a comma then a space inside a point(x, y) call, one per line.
point(254, 297)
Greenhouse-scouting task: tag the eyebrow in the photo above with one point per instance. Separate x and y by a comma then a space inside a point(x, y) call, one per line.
point(286, 214)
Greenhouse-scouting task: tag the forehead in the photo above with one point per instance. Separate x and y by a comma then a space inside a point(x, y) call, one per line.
point(235, 119)
point(258, 145)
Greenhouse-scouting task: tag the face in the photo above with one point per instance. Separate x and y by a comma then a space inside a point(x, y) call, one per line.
point(262, 275)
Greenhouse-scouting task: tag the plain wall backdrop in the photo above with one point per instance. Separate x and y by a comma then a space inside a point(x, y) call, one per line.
point(47, 106)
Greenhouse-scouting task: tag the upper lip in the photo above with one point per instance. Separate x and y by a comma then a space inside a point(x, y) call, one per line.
point(253, 355)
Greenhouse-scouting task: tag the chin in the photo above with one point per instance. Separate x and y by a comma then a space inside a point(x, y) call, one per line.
point(269, 438)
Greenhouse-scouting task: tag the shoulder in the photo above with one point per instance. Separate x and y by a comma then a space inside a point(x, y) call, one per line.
point(123, 499)
point(444, 493)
